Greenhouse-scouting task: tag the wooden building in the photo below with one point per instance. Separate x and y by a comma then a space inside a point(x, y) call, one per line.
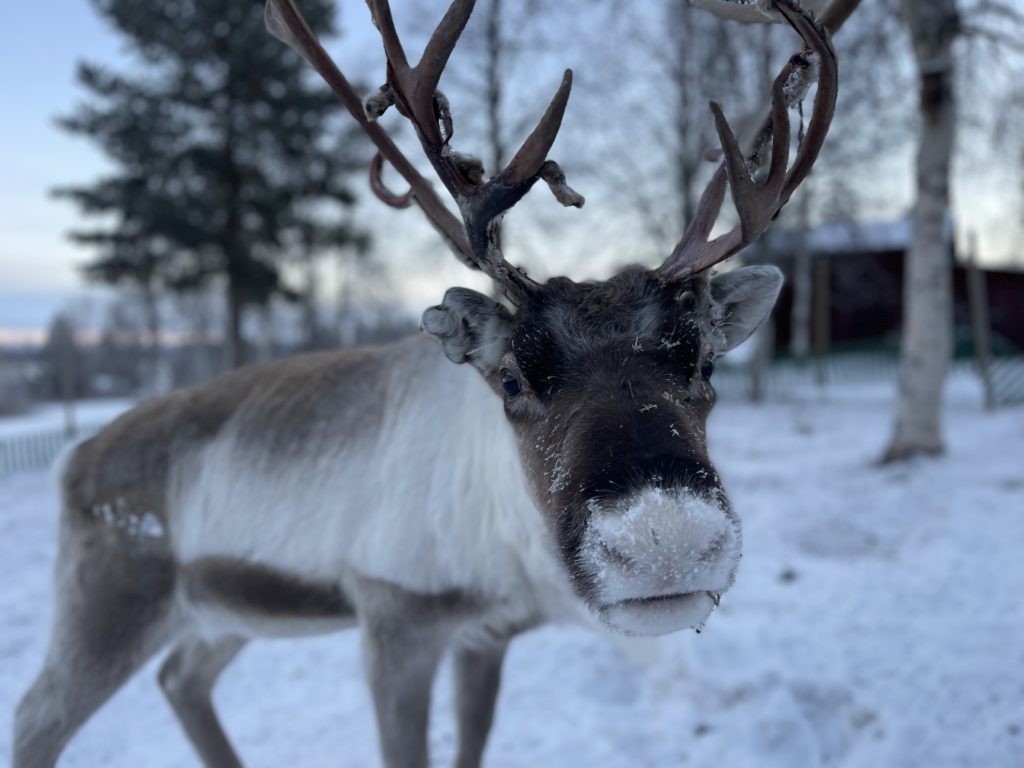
point(857, 280)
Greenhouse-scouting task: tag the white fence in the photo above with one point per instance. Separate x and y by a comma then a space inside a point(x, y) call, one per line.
point(787, 377)
point(1008, 380)
point(37, 450)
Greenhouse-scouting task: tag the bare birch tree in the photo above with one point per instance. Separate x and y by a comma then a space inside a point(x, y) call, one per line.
point(675, 58)
point(926, 344)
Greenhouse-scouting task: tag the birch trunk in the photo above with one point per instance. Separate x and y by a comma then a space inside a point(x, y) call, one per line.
point(926, 343)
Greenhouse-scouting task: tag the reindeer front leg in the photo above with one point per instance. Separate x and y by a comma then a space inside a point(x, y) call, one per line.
point(405, 635)
point(477, 680)
point(401, 659)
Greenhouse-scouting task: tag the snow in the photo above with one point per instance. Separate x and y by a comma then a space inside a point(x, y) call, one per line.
point(839, 237)
point(50, 416)
point(876, 621)
point(119, 515)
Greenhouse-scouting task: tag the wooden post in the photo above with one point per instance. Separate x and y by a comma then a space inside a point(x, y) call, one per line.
point(67, 383)
point(981, 330)
point(822, 315)
point(801, 326)
point(761, 359)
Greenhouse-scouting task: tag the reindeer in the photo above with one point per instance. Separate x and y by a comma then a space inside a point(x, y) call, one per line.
point(562, 475)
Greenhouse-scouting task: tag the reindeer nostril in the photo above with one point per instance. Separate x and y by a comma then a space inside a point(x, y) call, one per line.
point(714, 549)
point(616, 557)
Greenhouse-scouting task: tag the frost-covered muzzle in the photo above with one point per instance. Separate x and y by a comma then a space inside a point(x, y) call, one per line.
point(658, 559)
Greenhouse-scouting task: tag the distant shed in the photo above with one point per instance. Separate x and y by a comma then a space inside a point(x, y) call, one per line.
point(858, 287)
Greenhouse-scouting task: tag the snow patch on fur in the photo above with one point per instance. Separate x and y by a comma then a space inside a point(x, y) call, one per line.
point(137, 524)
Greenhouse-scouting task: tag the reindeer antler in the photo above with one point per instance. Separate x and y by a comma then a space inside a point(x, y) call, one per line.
point(413, 90)
point(482, 201)
point(758, 204)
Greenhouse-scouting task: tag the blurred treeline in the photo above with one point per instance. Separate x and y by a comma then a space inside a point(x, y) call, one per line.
point(229, 221)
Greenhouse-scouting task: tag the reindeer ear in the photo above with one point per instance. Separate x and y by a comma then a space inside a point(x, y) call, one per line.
point(745, 298)
point(471, 328)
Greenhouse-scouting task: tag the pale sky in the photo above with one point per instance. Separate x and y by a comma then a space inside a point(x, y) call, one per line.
point(44, 40)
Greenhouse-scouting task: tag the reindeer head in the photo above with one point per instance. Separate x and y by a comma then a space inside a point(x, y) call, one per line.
point(607, 385)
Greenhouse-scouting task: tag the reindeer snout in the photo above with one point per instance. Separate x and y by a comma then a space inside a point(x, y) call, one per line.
point(636, 557)
point(656, 549)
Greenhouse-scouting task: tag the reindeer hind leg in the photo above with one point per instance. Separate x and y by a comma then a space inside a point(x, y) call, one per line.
point(187, 678)
point(112, 613)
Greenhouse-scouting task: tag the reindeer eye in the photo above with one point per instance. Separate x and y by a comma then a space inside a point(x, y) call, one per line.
point(510, 384)
point(707, 369)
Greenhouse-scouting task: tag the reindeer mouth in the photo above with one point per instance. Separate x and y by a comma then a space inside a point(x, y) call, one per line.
point(660, 614)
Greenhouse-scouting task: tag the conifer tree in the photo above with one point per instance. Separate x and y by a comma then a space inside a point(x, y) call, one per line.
point(226, 153)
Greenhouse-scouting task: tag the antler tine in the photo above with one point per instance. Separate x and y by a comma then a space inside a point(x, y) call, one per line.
point(757, 205)
point(413, 90)
point(440, 46)
point(381, 190)
point(824, 100)
point(530, 164)
point(415, 87)
point(484, 208)
point(393, 50)
point(534, 151)
point(284, 22)
point(780, 138)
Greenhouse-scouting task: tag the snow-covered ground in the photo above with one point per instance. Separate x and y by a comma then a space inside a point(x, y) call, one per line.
point(878, 620)
point(51, 416)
